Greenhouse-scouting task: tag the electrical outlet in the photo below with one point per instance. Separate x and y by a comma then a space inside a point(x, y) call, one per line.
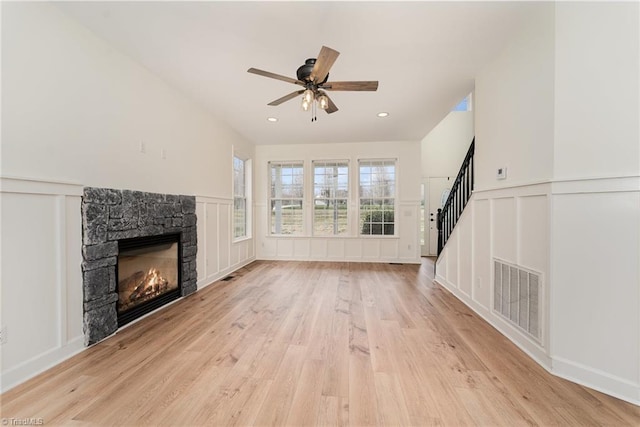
point(3, 335)
point(163, 153)
point(143, 147)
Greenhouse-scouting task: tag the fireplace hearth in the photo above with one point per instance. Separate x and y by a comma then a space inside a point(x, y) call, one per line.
point(122, 225)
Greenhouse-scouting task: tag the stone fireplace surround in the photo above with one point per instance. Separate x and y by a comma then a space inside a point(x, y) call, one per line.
point(109, 215)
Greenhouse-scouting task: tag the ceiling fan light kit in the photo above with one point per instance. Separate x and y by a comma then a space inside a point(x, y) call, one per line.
point(313, 76)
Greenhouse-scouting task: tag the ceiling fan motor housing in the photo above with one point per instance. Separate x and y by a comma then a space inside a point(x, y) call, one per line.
point(304, 71)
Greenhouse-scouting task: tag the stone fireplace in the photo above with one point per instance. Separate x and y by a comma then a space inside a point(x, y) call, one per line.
point(139, 253)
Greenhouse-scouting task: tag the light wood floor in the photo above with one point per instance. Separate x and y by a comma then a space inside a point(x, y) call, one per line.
point(310, 343)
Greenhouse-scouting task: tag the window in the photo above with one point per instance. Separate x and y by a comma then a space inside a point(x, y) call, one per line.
point(464, 105)
point(239, 198)
point(330, 196)
point(286, 197)
point(377, 197)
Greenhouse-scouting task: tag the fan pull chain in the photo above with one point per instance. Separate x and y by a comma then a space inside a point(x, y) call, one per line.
point(313, 111)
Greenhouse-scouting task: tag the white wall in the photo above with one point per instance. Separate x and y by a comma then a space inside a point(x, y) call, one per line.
point(560, 109)
point(513, 103)
point(597, 90)
point(403, 248)
point(444, 148)
point(76, 111)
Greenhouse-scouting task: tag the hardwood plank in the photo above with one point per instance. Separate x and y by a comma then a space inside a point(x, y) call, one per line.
point(276, 405)
point(306, 400)
point(336, 379)
point(363, 408)
point(378, 346)
point(392, 409)
point(334, 411)
point(303, 343)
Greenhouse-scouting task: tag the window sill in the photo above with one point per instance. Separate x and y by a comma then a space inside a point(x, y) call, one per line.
point(302, 236)
point(242, 239)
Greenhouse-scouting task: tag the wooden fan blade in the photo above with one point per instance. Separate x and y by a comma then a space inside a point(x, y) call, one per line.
point(275, 76)
point(353, 86)
point(286, 98)
point(324, 62)
point(332, 107)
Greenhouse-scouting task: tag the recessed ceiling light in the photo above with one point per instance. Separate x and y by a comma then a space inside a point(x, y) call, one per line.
point(383, 114)
point(272, 119)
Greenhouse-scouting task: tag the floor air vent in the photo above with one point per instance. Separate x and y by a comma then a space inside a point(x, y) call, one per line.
point(516, 296)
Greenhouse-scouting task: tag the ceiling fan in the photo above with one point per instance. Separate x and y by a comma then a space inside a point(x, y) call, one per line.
point(313, 76)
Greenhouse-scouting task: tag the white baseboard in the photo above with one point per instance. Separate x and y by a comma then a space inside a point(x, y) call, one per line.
point(40, 363)
point(343, 259)
point(203, 283)
point(597, 380)
point(529, 347)
point(563, 368)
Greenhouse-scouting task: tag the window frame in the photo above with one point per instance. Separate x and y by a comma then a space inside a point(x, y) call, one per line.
point(347, 199)
point(245, 197)
point(302, 200)
point(360, 197)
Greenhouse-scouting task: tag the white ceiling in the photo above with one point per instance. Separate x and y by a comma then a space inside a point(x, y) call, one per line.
point(424, 54)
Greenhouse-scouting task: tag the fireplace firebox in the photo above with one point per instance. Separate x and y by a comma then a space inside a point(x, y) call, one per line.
point(147, 274)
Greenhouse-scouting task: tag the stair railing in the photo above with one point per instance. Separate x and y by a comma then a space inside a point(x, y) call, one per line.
point(458, 197)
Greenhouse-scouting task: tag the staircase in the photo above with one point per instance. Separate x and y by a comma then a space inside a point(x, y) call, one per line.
point(458, 197)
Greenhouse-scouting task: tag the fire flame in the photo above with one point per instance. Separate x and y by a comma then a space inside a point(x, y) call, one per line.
point(154, 279)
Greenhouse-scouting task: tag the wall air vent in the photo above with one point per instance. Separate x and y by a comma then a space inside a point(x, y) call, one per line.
point(516, 296)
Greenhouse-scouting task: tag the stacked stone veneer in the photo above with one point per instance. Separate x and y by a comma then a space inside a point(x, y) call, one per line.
point(110, 215)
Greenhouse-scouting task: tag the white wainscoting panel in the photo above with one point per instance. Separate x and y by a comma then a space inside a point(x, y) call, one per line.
point(465, 254)
point(41, 276)
point(335, 249)
point(504, 228)
point(301, 248)
point(452, 261)
point(583, 237)
point(318, 248)
point(595, 297)
point(388, 248)
point(490, 227)
point(218, 254)
point(533, 232)
point(353, 249)
point(481, 257)
point(371, 251)
point(201, 259)
point(72, 276)
point(285, 248)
